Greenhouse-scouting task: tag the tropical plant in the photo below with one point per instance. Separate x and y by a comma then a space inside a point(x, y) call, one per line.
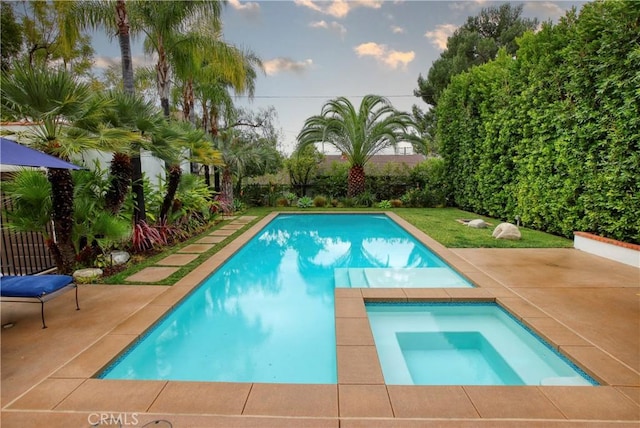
point(110, 14)
point(305, 202)
point(302, 167)
point(358, 135)
point(67, 119)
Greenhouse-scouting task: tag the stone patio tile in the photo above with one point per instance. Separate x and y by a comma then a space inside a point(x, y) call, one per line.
point(555, 333)
point(601, 366)
point(512, 402)
point(410, 401)
point(600, 403)
point(633, 392)
point(21, 419)
point(359, 365)
point(347, 292)
point(292, 400)
point(384, 294)
point(202, 397)
point(211, 240)
point(353, 331)
point(140, 322)
point(364, 400)
point(350, 307)
point(113, 395)
point(246, 218)
point(177, 260)
point(222, 232)
point(47, 394)
point(225, 421)
point(152, 274)
point(232, 226)
point(173, 295)
point(520, 308)
point(196, 248)
point(474, 294)
point(96, 357)
point(427, 295)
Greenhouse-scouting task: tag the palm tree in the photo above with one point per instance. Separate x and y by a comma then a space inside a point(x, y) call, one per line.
point(100, 14)
point(165, 26)
point(358, 135)
point(67, 119)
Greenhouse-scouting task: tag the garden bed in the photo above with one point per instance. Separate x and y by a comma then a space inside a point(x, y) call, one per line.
point(618, 251)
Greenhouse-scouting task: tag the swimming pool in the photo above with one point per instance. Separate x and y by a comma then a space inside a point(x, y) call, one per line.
point(464, 344)
point(267, 314)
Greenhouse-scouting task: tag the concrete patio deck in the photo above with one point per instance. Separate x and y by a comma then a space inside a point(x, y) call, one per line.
point(586, 306)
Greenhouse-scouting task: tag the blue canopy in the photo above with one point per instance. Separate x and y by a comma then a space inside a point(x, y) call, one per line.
point(12, 153)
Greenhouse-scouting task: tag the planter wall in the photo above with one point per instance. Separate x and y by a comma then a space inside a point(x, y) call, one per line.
point(618, 251)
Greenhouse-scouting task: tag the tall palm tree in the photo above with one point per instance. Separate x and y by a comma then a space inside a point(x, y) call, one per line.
point(358, 134)
point(165, 25)
point(110, 14)
point(67, 119)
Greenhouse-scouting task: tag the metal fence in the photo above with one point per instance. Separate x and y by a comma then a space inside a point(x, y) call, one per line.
point(22, 253)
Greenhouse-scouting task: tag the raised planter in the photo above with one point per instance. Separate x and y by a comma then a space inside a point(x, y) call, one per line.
point(618, 251)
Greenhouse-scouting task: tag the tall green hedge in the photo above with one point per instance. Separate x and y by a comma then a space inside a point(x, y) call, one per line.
point(553, 134)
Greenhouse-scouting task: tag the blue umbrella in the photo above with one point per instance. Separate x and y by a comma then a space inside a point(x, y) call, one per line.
point(12, 153)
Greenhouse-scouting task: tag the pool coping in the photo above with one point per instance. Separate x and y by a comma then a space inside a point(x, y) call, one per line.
point(360, 391)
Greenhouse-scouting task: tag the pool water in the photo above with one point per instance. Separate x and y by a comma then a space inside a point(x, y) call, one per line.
point(267, 314)
point(463, 344)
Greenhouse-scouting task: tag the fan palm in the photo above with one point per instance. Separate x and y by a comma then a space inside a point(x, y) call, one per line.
point(358, 134)
point(67, 119)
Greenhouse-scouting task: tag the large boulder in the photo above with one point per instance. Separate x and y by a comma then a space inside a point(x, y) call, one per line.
point(506, 231)
point(477, 223)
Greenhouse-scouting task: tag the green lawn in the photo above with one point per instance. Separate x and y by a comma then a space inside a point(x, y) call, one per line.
point(438, 223)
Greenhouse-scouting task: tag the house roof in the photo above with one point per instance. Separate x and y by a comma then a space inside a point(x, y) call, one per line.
point(379, 160)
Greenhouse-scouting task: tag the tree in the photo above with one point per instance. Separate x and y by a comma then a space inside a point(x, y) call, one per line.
point(51, 35)
point(474, 43)
point(110, 14)
point(359, 134)
point(67, 120)
point(303, 166)
point(11, 40)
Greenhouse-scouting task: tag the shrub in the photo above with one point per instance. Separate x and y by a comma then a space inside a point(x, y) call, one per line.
point(384, 204)
point(319, 201)
point(305, 202)
point(365, 199)
point(396, 203)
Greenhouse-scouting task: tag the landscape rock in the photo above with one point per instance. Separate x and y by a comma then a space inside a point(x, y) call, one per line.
point(85, 276)
point(119, 257)
point(506, 231)
point(478, 224)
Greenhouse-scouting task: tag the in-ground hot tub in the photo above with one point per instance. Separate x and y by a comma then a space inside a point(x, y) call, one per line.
point(464, 344)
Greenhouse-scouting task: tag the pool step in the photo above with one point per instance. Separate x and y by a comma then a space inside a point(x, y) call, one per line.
point(432, 277)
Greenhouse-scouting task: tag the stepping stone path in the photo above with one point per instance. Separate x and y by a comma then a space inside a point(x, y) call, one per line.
point(170, 264)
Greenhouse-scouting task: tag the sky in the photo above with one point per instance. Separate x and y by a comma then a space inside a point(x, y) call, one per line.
point(314, 51)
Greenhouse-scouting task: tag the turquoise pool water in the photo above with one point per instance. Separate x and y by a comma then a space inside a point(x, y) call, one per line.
point(464, 344)
point(267, 314)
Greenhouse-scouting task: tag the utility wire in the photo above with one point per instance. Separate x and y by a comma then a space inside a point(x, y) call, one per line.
point(322, 96)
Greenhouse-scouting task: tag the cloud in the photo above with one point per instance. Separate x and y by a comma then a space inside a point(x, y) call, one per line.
point(104, 62)
point(544, 9)
point(468, 4)
point(249, 9)
point(397, 30)
point(276, 65)
point(333, 26)
point(338, 8)
point(439, 36)
point(381, 53)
